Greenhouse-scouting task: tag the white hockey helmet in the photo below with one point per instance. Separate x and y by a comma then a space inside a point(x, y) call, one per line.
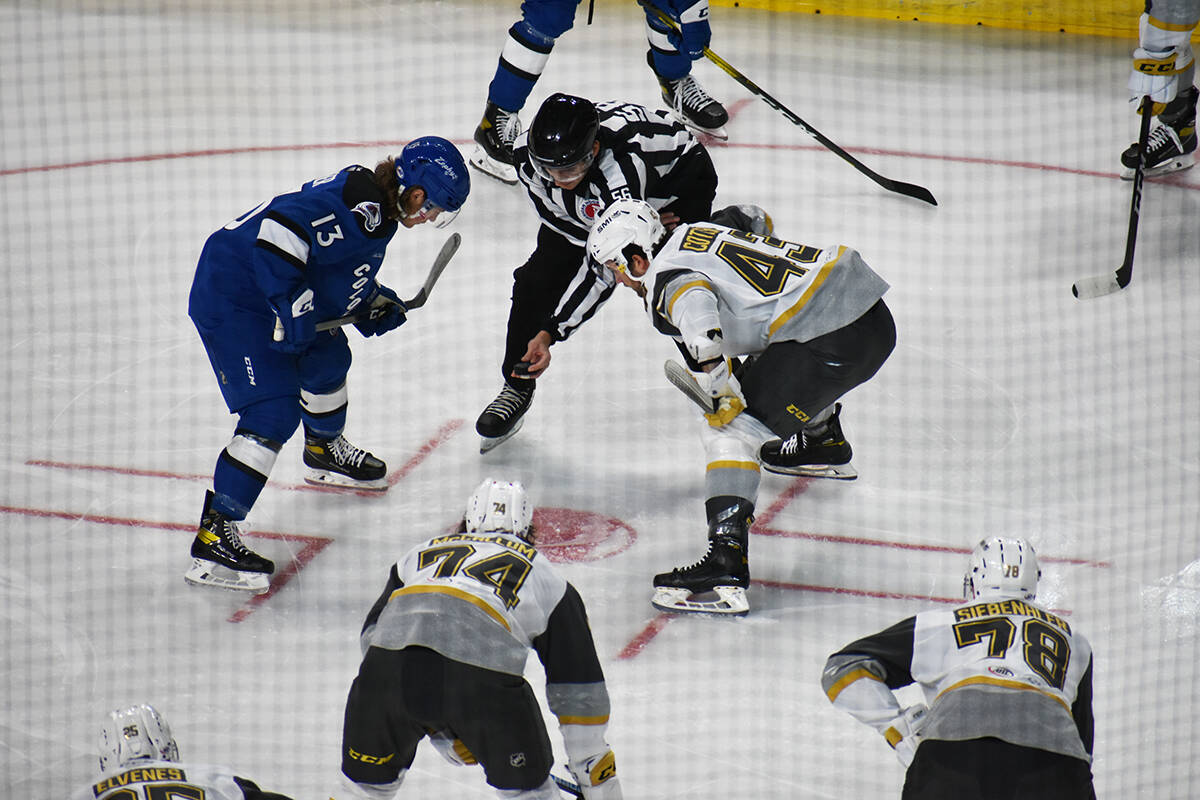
point(134, 734)
point(1002, 567)
point(499, 506)
point(623, 223)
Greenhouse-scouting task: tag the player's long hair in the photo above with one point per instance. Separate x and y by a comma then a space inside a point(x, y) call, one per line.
point(385, 177)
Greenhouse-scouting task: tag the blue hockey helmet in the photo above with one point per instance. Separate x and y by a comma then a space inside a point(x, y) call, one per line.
point(434, 164)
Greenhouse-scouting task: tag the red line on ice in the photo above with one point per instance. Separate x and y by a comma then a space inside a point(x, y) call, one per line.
point(762, 527)
point(1175, 180)
point(443, 434)
point(310, 546)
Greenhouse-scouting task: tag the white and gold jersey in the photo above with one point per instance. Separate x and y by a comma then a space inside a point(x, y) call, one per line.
point(487, 599)
point(1001, 667)
point(765, 289)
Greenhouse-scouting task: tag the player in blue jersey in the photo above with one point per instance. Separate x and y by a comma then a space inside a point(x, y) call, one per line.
point(527, 49)
point(263, 283)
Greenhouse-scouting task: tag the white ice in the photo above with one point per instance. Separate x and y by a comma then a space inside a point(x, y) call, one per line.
point(131, 131)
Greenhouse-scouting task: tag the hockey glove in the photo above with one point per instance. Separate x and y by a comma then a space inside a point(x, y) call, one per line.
point(1156, 73)
point(597, 776)
point(694, 32)
point(1157, 62)
point(717, 379)
point(726, 392)
point(296, 319)
point(903, 734)
point(387, 313)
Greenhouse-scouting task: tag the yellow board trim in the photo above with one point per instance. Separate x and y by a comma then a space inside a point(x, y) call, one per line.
point(822, 274)
point(1117, 18)
point(849, 678)
point(453, 592)
point(980, 679)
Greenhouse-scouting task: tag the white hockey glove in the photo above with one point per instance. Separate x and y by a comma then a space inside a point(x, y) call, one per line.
point(1157, 63)
point(1156, 73)
point(725, 391)
point(903, 733)
point(451, 748)
point(597, 776)
point(717, 378)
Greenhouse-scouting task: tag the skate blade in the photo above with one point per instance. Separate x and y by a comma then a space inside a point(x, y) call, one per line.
point(480, 160)
point(218, 576)
point(321, 477)
point(840, 472)
point(489, 443)
point(1177, 164)
point(713, 133)
point(729, 601)
point(720, 134)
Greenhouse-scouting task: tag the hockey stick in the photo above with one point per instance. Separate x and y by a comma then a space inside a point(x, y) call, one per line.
point(1100, 285)
point(682, 380)
point(907, 189)
point(416, 301)
point(570, 787)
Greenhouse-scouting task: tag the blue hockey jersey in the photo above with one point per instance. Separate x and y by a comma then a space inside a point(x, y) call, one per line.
point(329, 236)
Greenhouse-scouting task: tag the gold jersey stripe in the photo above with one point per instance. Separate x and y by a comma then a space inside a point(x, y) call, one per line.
point(685, 288)
point(982, 679)
point(565, 720)
point(748, 465)
point(1171, 26)
point(822, 274)
point(453, 592)
point(849, 678)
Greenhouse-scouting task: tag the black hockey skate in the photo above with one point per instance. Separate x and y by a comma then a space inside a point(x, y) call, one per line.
point(495, 136)
point(336, 462)
point(1172, 144)
point(220, 559)
point(820, 451)
point(717, 583)
point(692, 105)
point(504, 416)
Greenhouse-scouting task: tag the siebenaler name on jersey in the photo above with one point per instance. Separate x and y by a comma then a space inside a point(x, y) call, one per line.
point(140, 775)
point(1015, 607)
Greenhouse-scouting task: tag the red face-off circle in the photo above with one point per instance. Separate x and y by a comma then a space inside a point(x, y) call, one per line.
point(566, 535)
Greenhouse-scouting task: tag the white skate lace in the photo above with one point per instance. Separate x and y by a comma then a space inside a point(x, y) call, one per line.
point(790, 446)
point(228, 533)
point(507, 402)
point(689, 94)
point(699, 564)
point(345, 453)
point(508, 127)
point(1163, 143)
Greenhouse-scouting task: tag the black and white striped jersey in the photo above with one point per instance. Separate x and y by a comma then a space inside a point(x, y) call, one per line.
point(640, 150)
